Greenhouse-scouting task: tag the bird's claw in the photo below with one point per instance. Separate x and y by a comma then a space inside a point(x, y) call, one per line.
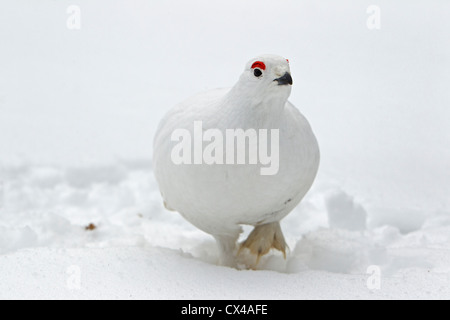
point(263, 238)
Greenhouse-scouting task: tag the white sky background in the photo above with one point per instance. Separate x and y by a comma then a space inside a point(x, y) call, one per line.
point(378, 100)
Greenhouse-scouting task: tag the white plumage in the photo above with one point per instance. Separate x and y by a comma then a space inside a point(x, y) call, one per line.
point(219, 198)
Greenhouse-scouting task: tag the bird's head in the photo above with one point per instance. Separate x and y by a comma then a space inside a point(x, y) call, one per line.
point(266, 77)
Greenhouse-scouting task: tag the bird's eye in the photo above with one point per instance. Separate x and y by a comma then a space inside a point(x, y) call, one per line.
point(257, 73)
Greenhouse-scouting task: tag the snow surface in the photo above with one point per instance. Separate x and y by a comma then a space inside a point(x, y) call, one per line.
point(78, 110)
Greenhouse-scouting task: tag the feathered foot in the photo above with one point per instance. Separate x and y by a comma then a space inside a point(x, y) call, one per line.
point(263, 238)
point(227, 248)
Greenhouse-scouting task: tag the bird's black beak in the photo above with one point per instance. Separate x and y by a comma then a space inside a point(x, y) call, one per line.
point(285, 79)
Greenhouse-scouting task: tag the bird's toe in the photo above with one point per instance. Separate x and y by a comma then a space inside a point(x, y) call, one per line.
point(263, 238)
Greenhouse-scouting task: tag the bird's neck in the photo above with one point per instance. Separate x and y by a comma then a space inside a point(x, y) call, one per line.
point(261, 111)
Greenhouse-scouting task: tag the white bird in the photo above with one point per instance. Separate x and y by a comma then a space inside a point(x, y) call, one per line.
point(218, 196)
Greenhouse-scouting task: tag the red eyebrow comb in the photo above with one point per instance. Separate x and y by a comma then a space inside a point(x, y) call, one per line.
point(259, 64)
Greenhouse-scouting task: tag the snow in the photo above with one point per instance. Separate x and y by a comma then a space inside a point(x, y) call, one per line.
point(78, 110)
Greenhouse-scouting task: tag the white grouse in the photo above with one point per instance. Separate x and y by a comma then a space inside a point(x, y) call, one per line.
point(200, 178)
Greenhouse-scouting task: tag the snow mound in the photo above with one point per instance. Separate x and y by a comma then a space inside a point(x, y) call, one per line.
point(46, 211)
point(344, 212)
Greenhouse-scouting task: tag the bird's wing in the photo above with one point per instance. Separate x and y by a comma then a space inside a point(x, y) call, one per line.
point(182, 115)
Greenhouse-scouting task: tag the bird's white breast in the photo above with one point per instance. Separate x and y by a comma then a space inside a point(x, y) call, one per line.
point(217, 197)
